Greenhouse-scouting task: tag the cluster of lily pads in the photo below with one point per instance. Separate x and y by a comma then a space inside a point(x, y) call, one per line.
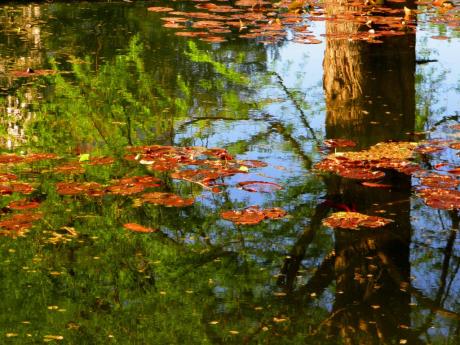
point(205, 167)
point(270, 22)
point(436, 185)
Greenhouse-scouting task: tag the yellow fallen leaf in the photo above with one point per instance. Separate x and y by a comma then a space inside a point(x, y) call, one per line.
point(52, 337)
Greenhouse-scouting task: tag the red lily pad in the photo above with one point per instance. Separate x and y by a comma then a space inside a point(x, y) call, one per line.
point(101, 161)
point(213, 39)
point(440, 166)
point(252, 163)
point(172, 25)
point(76, 188)
point(21, 187)
point(259, 186)
point(133, 185)
point(274, 213)
point(34, 157)
point(354, 221)
point(20, 221)
point(10, 158)
point(339, 143)
point(146, 181)
point(167, 199)
point(455, 171)
point(196, 175)
point(5, 190)
point(426, 149)
point(249, 216)
point(439, 181)
point(159, 9)
point(361, 174)
point(71, 168)
point(32, 73)
point(126, 189)
point(23, 204)
point(174, 19)
point(455, 146)
point(191, 33)
point(440, 37)
point(252, 215)
point(444, 199)
point(6, 177)
point(219, 153)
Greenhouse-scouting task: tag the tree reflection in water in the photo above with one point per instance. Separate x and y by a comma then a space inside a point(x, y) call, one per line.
point(199, 277)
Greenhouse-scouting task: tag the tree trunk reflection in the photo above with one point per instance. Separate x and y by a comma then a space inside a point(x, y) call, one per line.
point(370, 97)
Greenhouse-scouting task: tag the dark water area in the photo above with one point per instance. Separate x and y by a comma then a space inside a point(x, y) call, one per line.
point(100, 241)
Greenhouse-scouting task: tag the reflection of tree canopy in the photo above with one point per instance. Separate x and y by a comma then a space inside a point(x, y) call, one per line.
point(200, 279)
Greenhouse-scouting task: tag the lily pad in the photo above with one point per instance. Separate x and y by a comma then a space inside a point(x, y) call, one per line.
point(354, 221)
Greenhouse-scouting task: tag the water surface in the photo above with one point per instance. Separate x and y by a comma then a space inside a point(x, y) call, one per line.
point(78, 276)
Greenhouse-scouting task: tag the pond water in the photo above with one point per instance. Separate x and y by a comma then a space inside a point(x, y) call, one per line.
point(106, 240)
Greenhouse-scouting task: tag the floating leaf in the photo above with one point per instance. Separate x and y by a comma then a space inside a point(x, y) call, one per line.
point(354, 221)
point(380, 156)
point(101, 161)
point(274, 213)
point(213, 39)
point(21, 187)
point(444, 199)
point(252, 215)
point(23, 204)
point(76, 188)
point(147, 181)
point(70, 168)
point(249, 216)
point(6, 177)
point(252, 163)
point(133, 185)
point(439, 181)
point(5, 190)
point(455, 171)
point(339, 143)
point(10, 158)
point(167, 199)
point(455, 146)
point(138, 228)
point(440, 166)
point(159, 9)
point(440, 37)
point(126, 188)
point(259, 186)
point(34, 157)
point(20, 221)
point(32, 73)
point(361, 174)
point(425, 149)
